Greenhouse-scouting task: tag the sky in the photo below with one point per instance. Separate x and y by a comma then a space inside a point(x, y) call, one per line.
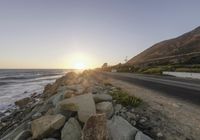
point(87, 33)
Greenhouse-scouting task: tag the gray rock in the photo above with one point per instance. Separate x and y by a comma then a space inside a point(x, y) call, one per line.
point(102, 97)
point(46, 125)
point(59, 110)
point(96, 128)
point(141, 136)
point(133, 122)
point(159, 135)
point(132, 110)
point(40, 108)
point(123, 115)
point(130, 116)
point(117, 108)
point(71, 130)
point(24, 135)
point(80, 89)
point(50, 139)
point(105, 107)
point(44, 108)
point(36, 115)
point(84, 104)
point(142, 120)
point(120, 129)
point(17, 131)
point(56, 98)
point(123, 110)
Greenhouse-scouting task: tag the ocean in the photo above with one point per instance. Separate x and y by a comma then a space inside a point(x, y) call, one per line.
point(17, 84)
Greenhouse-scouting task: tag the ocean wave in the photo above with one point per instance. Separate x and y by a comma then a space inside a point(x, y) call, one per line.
point(3, 83)
point(25, 77)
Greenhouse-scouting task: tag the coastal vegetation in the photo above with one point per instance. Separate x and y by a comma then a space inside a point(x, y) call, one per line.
point(155, 69)
point(123, 98)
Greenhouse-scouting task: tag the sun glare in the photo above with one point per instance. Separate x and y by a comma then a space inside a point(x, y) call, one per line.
point(80, 61)
point(80, 65)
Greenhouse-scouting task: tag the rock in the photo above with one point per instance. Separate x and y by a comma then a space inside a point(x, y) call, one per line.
point(50, 111)
point(96, 128)
point(63, 81)
point(117, 108)
point(14, 133)
point(44, 108)
point(34, 95)
point(71, 130)
point(24, 135)
point(66, 92)
point(57, 98)
point(132, 110)
point(133, 122)
point(123, 115)
point(46, 125)
point(130, 116)
point(105, 107)
point(50, 139)
point(123, 110)
point(120, 129)
point(69, 94)
point(39, 108)
point(102, 97)
point(84, 104)
point(141, 136)
point(159, 135)
point(59, 110)
point(80, 89)
point(23, 102)
point(142, 120)
point(36, 115)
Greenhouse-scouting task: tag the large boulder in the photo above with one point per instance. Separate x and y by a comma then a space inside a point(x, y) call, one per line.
point(63, 81)
point(95, 128)
point(78, 88)
point(46, 125)
point(105, 107)
point(120, 129)
point(142, 136)
point(71, 130)
point(23, 102)
point(84, 104)
point(102, 97)
point(62, 93)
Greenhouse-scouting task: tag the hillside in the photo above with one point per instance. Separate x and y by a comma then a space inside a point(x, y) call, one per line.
point(183, 49)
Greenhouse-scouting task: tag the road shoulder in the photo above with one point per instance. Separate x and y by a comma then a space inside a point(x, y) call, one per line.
point(176, 119)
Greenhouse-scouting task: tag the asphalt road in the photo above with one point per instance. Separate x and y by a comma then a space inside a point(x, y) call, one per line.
point(180, 88)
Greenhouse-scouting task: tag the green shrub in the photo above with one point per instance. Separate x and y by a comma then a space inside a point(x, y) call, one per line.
point(197, 70)
point(123, 98)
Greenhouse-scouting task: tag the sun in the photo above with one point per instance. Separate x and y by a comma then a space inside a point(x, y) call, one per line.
point(80, 65)
point(80, 60)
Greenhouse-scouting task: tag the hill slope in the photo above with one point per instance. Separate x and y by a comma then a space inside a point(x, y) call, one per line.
point(183, 49)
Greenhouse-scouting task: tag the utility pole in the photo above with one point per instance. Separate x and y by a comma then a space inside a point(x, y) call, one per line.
point(126, 59)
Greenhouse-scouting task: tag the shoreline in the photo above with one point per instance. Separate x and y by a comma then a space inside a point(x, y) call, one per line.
point(72, 86)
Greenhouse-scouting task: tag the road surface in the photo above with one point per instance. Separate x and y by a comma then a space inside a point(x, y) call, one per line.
point(180, 88)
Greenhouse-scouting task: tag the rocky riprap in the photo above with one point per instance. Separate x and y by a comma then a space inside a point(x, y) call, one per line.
point(75, 107)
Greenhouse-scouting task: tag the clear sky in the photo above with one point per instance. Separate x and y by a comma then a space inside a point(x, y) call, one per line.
point(87, 33)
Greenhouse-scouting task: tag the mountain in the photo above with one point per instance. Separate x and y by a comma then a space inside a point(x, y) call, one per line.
point(183, 49)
